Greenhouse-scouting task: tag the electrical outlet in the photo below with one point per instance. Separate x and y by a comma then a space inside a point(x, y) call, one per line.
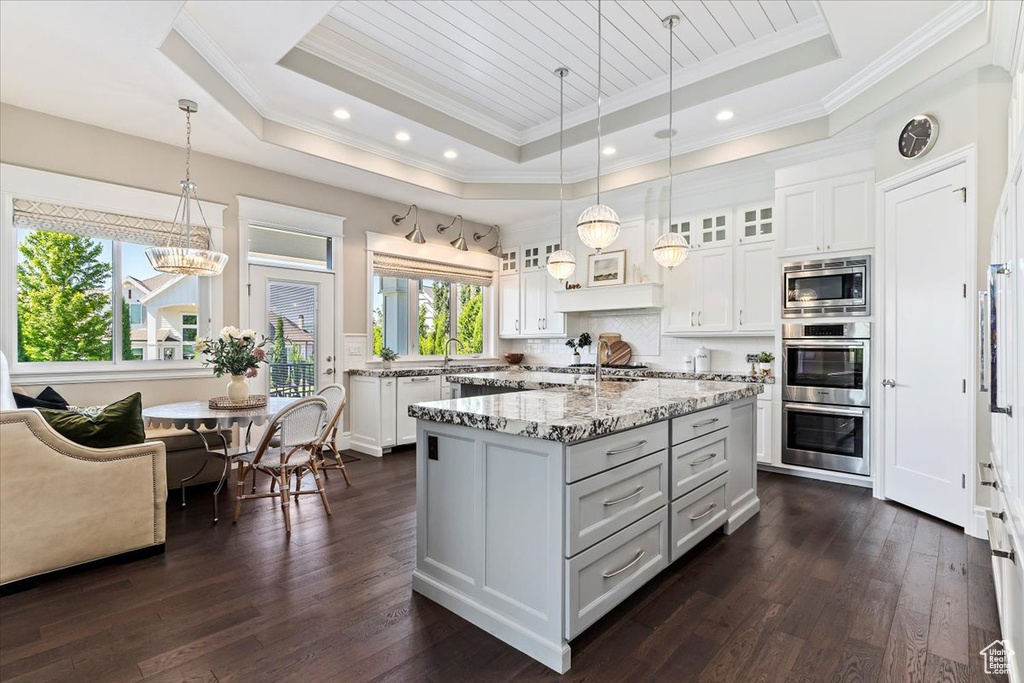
point(432, 448)
point(751, 357)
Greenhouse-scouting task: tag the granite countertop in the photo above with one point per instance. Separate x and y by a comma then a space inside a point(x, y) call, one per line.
point(568, 414)
point(718, 376)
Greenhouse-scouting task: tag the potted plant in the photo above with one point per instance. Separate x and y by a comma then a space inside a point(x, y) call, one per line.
point(578, 343)
point(234, 353)
point(386, 356)
point(765, 359)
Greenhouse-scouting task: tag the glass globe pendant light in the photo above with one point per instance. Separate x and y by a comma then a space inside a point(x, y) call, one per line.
point(598, 226)
point(670, 249)
point(187, 260)
point(561, 264)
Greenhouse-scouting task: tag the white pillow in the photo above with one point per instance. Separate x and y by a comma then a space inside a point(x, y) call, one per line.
point(6, 395)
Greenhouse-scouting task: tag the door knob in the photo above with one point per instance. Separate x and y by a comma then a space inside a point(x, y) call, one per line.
point(329, 371)
point(888, 382)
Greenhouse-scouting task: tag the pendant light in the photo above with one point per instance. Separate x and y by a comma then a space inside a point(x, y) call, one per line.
point(187, 260)
point(415, 235)
point(670, 249)
point(460, 241)
point(598, 226)
point(561, 264)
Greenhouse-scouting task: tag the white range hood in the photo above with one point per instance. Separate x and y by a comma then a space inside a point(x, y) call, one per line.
point(612, 298)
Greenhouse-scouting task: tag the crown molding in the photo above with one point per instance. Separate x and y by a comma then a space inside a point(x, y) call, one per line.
point(1007, 31)
point(329, 50)
point(944, 24)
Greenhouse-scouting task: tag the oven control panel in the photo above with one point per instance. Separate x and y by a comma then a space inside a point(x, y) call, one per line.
point(827, 330)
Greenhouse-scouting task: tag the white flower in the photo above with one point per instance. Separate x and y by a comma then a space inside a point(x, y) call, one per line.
point(229, 332)
point(202, 344)
point(248, 334)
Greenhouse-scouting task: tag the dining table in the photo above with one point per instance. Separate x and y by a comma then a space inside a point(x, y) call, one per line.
point(196, 416)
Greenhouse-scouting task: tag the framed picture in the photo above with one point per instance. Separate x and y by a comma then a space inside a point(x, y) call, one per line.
point(608, 268)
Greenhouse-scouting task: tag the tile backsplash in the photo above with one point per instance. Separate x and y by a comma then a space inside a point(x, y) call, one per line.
point(643, 333)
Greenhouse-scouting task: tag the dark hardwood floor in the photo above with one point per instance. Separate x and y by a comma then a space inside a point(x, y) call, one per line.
point(825, 584)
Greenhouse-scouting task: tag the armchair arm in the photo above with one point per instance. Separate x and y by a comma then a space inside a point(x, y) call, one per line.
point(62, 504)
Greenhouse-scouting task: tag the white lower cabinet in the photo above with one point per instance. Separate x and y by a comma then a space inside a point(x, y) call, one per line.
point(379, 410)
point(765, 449)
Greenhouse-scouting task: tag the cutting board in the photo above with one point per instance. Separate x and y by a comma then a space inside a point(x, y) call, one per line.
point(611, 338)
point(620, 353)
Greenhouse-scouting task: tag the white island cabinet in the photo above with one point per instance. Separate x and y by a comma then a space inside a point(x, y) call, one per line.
point(533, 530)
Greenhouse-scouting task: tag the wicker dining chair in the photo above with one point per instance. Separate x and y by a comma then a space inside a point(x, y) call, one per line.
point(337, 399)
point(289, 447)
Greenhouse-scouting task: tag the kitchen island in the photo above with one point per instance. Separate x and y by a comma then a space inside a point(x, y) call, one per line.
point(540, 509)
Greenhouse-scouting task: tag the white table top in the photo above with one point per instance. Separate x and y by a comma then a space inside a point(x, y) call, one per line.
point(194, 414)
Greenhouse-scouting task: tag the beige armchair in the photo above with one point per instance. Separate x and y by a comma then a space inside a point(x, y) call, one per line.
point(62, 504)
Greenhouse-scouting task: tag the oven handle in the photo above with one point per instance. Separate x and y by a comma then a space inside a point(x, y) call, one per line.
point(789, 343)
point(830, 410)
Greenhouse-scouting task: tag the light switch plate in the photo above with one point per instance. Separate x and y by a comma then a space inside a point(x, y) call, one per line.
point(751, 357)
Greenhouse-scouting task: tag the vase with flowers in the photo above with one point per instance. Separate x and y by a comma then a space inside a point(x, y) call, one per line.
point(236, 353)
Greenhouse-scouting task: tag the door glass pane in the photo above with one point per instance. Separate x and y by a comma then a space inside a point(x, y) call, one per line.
point(291, 319)
point(824, 433)
point(836, 368)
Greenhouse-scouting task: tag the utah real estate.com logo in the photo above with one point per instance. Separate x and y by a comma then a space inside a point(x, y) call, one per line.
point(997, 657)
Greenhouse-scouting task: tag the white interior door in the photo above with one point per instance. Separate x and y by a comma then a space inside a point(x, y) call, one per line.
point(295, 310)
point(927, 414)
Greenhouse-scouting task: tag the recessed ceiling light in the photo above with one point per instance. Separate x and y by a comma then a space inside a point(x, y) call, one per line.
point(608, 151)
point(402, 136)
point(665, 133)
point(450, 154)
point(342, 114)
point(724, 115)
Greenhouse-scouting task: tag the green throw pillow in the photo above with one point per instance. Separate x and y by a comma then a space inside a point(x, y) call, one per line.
point(119, 424)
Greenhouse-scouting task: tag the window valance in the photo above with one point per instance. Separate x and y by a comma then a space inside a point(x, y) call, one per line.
point(73, 220)
point(390, 265)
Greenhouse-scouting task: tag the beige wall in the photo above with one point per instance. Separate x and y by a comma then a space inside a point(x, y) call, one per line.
point(971, 110)
point(49, 143)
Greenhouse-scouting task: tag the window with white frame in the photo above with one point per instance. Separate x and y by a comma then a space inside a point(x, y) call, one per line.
point(79, 288)
point(418, 304)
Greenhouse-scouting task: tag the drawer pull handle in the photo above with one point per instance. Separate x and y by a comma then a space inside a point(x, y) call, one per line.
point(609, 503)
point(420, 379)
point(639, 554)
point(707, 457)
point(707, 512)
point(705, 423)
point(639, 444)
point(1005, 554)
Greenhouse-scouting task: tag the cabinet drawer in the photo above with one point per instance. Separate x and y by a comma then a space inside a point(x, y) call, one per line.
point(599, 506)
point(590, 457)
point(691, 426)
point(696, 515)
point(698, 461)
point(599, 578)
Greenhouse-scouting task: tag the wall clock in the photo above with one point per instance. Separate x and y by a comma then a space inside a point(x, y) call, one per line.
point(918, 136)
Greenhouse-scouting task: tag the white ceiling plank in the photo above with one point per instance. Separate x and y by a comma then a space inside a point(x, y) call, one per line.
point(531, 61)
point(729, 19)
point(804, 10)
point(688, 35)
point(414, 60)
point(643, 49)
point(460, 57)
point(753, 17)
point(583, 74)
point(779, 13)
point(615, 61)
point(510, 71)
point(697, 14)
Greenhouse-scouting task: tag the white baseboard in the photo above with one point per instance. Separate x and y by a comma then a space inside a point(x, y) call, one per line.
point(820, 475)
point(549, 653)
point(345, 441)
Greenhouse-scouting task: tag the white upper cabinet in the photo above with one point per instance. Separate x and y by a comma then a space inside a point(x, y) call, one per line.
point(706, 230)
point(509, 261)
point(755, 223)
point(825, 216)
point(509, 305)
point(755, 277)
point(534, 285)
point(681, 299)
point(698, 293)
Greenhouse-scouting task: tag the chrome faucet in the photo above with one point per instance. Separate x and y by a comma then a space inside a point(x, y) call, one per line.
point(601, 343)
point(447, 346)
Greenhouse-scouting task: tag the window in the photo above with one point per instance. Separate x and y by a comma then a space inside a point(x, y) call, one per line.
point(417, 317)
point(289, 248)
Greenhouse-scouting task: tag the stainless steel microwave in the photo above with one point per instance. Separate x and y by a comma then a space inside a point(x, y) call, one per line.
point(817, 289)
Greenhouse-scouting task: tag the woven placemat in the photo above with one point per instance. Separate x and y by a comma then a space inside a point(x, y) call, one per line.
point(225, 403)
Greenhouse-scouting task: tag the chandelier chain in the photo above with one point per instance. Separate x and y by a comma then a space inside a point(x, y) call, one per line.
point(561, 150)
point(671, 71)
point(599, 101)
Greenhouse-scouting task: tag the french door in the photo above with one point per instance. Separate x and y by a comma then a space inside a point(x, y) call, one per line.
point(927, 424)
point(295, 310)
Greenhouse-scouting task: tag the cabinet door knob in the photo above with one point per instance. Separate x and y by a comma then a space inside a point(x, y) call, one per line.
point(888, 382)
point(817, 248)
point(517, 325)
